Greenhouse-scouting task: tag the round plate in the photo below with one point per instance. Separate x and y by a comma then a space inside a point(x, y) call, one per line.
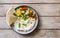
point(35, 25)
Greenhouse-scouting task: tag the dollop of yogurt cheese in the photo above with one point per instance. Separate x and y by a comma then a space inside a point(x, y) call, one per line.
point(29, 24)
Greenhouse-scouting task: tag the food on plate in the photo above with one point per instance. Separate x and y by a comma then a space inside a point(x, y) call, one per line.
point(26, 19)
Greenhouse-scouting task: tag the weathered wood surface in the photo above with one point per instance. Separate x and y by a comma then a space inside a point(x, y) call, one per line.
point(49, 18)
point(29, 1)
point(35, 34)
point(42, 9)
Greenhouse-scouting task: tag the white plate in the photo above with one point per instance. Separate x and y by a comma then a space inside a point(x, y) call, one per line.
point(10, 23)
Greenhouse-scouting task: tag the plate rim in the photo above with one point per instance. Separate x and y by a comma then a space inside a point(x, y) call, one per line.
point(34, 24)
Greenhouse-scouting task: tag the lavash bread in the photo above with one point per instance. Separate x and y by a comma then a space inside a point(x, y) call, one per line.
point(10, 18)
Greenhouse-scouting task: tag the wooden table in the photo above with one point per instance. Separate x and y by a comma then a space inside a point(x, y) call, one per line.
point(49, 18)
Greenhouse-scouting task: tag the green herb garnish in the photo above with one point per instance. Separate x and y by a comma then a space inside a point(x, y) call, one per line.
point(14, 14)
point(19, 25)
point(25, 24)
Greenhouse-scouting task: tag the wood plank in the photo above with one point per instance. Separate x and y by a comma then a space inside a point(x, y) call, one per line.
point(49, 23)
point(29, 1)
point(3, 23)
point(35, 34)
point(42, 9)
point(44, 23)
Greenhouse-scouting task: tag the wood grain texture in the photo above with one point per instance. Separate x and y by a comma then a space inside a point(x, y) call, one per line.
point(29, 1)
point(42, 9)
point(44, 23)
point(49, 18)
point(35, 34)
point(49, 22)
point(3, 23)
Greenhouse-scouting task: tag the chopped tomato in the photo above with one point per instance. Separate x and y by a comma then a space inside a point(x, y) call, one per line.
point(35, 17)
point(24, 8)
point(30, 15)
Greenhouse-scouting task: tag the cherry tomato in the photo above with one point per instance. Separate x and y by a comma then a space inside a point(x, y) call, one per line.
point(35, 17)
point(30, 15)
point(23, 8)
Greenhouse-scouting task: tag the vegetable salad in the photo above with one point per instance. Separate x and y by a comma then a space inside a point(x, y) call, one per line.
point(26, 18)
